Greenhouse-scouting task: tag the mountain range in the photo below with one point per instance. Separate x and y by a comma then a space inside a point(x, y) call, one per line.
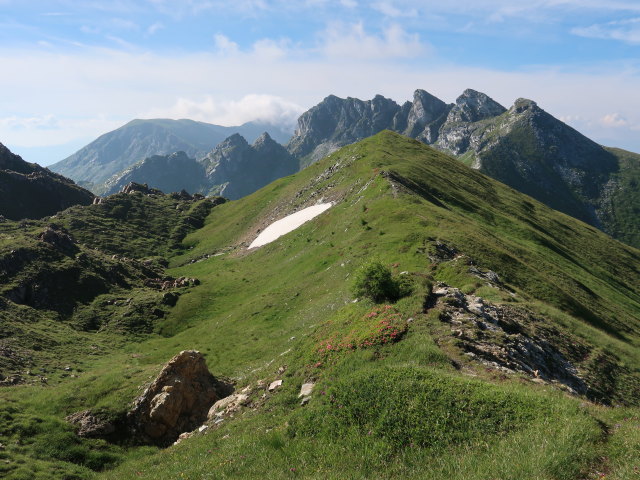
point(233, 169)
point(118, 150)
point(522, 146)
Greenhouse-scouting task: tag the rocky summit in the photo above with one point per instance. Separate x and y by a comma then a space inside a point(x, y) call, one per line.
point(235, 168)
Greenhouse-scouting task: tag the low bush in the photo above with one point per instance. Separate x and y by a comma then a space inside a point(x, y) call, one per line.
point(374, 280)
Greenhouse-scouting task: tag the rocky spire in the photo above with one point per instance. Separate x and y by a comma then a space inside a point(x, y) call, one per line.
point(473, 106)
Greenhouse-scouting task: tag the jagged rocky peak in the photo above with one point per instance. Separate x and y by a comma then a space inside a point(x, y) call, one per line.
point(235, 140)
point(424, 110)
point(264, 141)
point(473, 106)
point(266, 146)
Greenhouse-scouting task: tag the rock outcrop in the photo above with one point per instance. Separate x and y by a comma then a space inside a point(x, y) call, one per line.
point(29, 191)
point(177, 401)
point(235, 168)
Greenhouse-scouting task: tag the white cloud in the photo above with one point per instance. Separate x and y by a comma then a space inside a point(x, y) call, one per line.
point(224, 45)
point(265, 108)
point(270, 50)
point(41, 122)
point(91, 91)
point(613, 120)
point(627, 31)
point(352, 41)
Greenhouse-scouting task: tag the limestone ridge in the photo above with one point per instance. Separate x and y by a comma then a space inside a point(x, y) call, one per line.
point(28, 190)
point(337, 122)
point(541, 156)
point(523, 147)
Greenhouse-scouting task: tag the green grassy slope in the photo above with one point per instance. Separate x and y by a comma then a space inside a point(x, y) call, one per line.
point(392, 406)
point(625, 198)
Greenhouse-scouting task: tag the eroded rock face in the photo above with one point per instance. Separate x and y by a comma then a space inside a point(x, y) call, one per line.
point(505, 338)
point(177, 401)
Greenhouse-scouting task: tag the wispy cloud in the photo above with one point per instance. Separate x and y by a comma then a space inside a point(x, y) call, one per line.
point(225, 46)
point(270, 50)
point(40, 122)
point(155, 27)
point(627, 31)
point(614, 120)
point(390, 9)
point(341, 40)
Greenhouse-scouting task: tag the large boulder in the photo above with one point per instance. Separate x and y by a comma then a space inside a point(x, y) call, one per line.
point(177, 401)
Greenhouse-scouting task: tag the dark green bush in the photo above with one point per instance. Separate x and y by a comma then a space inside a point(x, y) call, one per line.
point(374, 280)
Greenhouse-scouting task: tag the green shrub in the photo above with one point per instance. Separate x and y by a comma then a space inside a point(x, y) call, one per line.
point(374, 280)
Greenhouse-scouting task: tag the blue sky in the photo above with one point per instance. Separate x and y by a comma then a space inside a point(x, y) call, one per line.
point(73, 70)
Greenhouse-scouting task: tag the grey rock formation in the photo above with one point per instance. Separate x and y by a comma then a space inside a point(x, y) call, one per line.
point(425, 117)
point(235, 168)
point(177, 401)
point(336, 122)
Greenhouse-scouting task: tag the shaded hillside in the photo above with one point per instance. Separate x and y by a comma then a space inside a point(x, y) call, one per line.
point(29, 191)
point(96, 267)
point(169, 173)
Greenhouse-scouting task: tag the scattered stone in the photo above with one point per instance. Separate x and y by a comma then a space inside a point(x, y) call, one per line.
point(275, 384)
point(228, 404)
point(305, 400)
point(306, 389)
point(177, 401)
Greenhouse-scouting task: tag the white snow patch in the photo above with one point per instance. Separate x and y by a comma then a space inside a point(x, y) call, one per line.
point(288, 224)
